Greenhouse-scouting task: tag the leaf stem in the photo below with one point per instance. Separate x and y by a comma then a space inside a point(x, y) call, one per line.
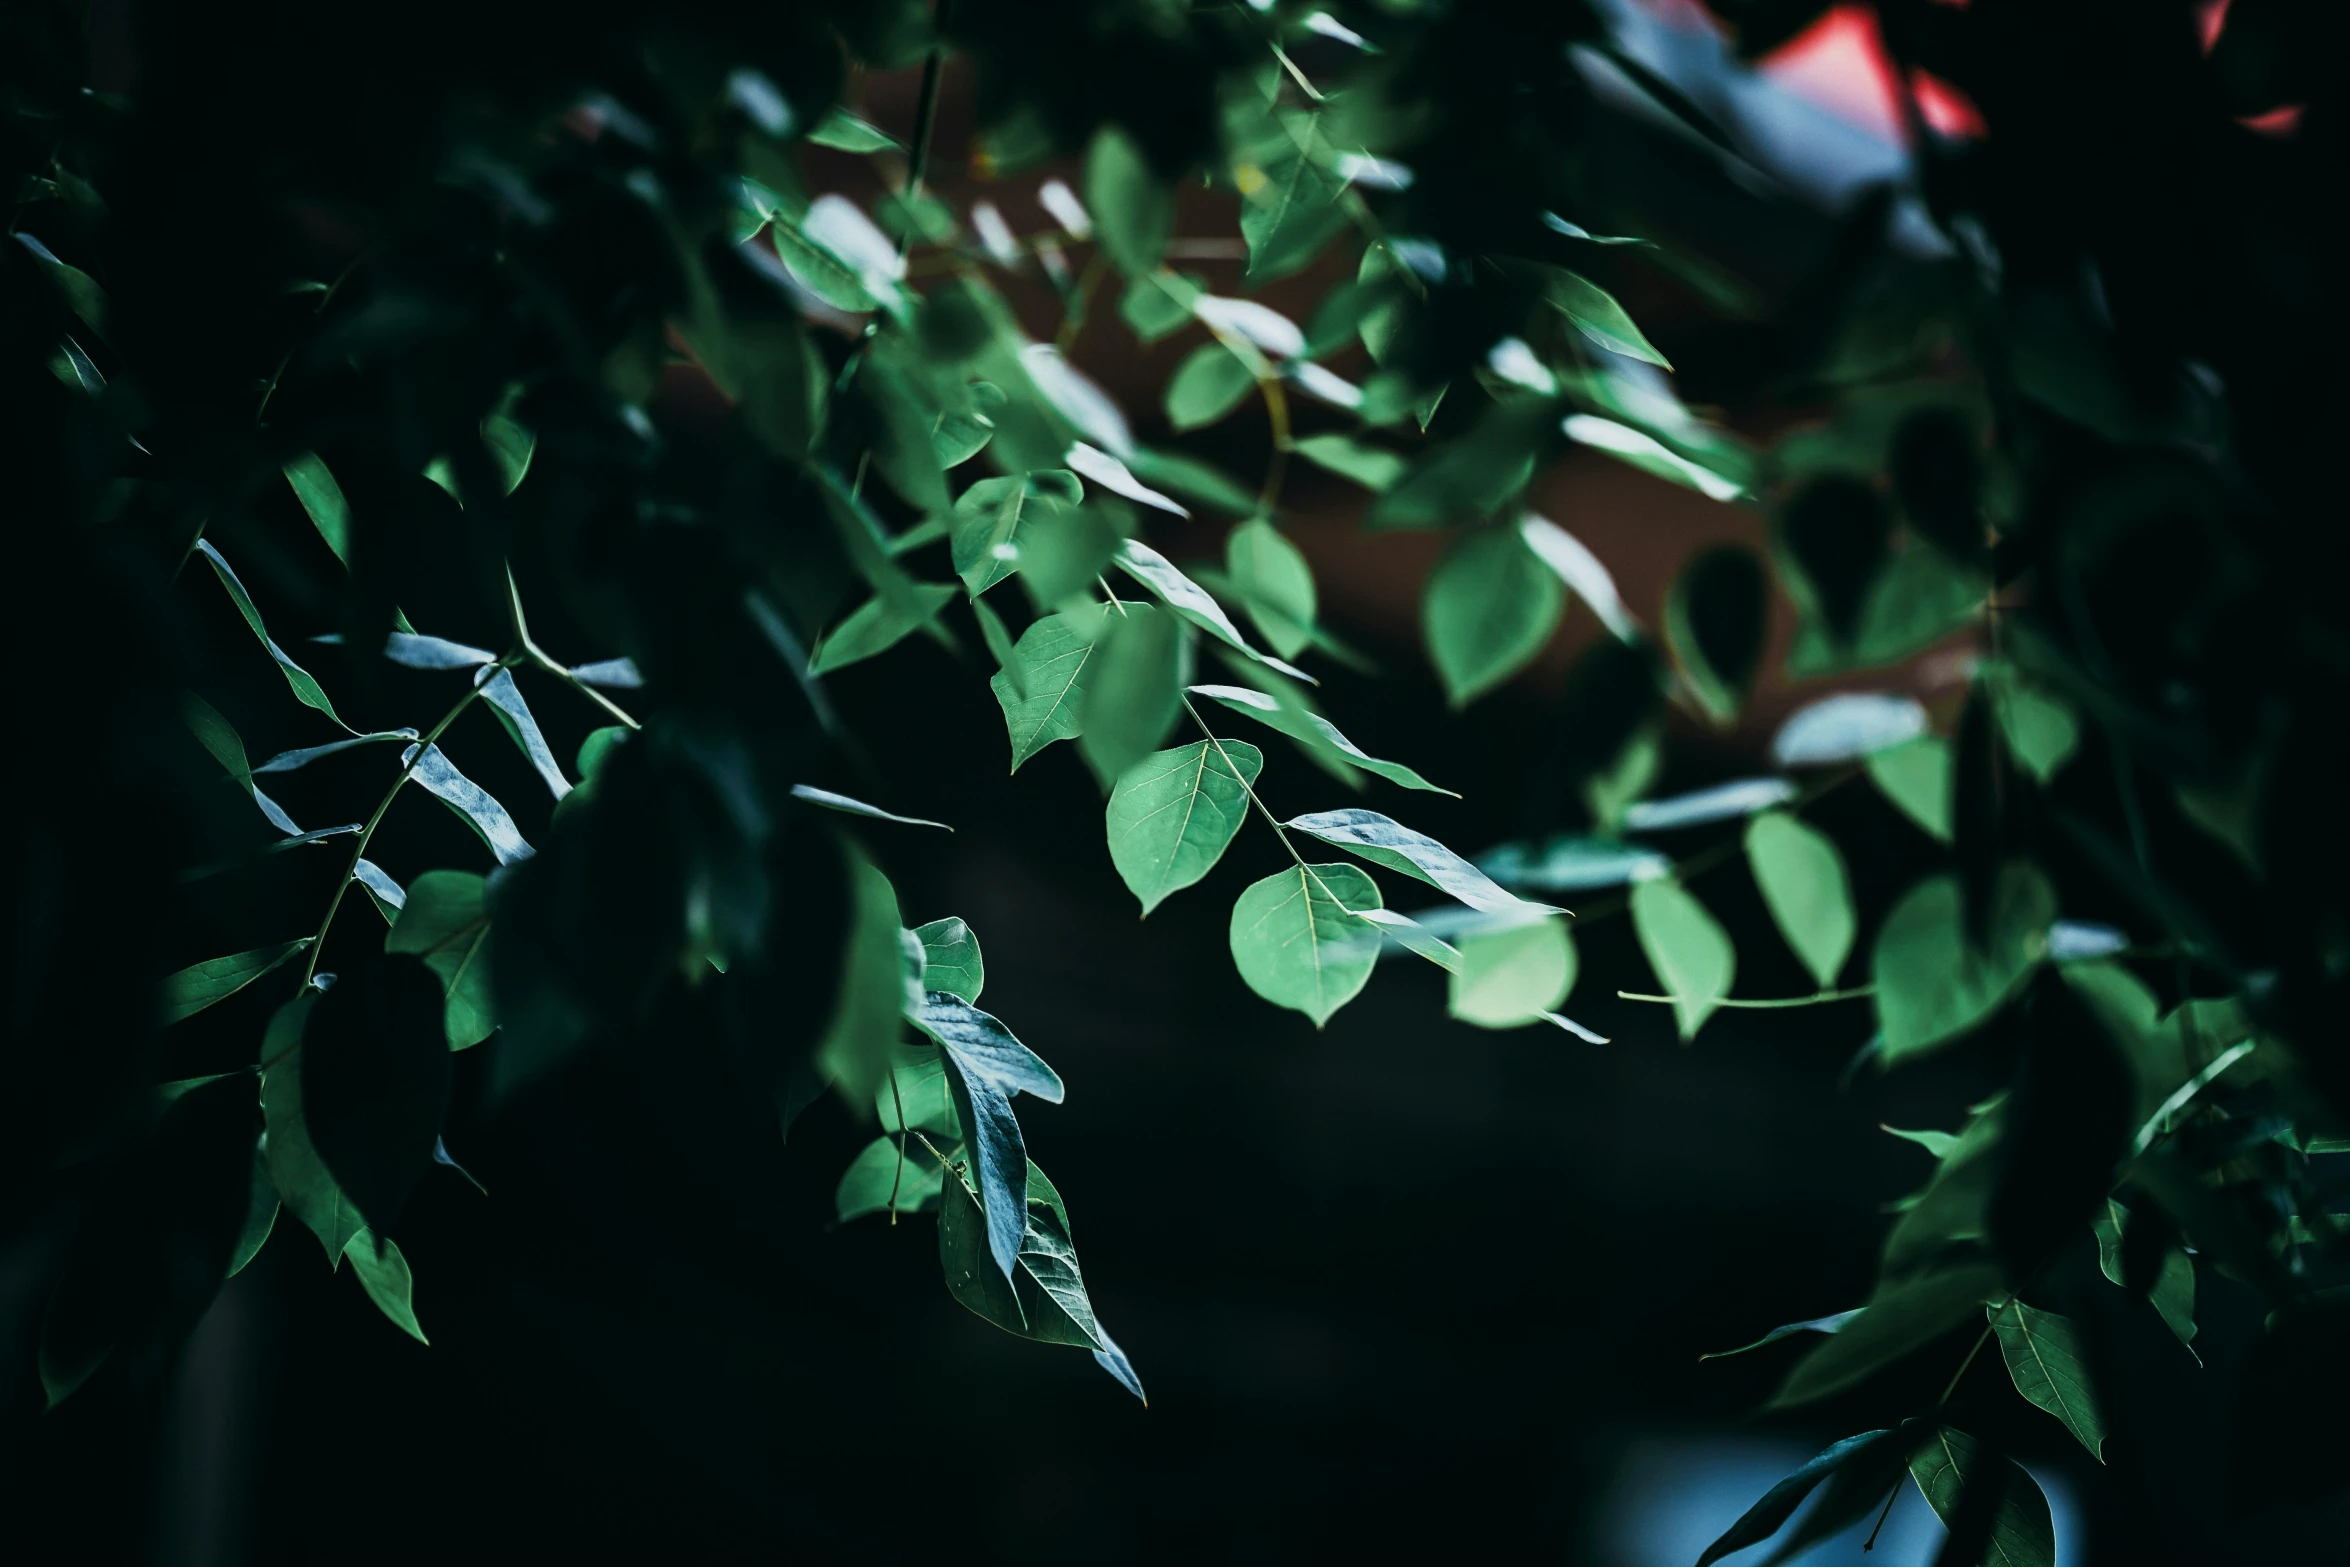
point(898, 1102)
point(527, 649)
point(1981, 1339)
point(374, 819)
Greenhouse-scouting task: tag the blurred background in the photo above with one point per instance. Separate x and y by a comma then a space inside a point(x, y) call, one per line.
point(1395, 1287)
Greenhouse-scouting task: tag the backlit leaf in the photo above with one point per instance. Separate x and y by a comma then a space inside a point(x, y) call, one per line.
point(1514, 974)
point(1274, 583)
point(469, 800)
point(2043, 1352)
point(314, 485)
point(1044, 695)
point(1803, 880)
point(199, 985)
point(2023, 1534)
point(384, 1273)
point(445, 921)
point(951, 960)
point(1932, 984)
point(1134, 690)
point(306, 690)
point(1687, 947)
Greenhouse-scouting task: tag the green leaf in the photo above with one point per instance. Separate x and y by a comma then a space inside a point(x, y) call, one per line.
point(1134, 691)
point(295, 1169)
point(323, 499)
point(1950, 1216)
point(1159, 305)
point(1312, 730)
point(1899, 1319)
point(1687, 947)
point(1184, 596)
point(1386, 842)
point(1804, 882)
point(876, 626)
point(1828, 1324)
point(1372, 467)
point(260, 1214)
point(384, 1273)
point(1916, 777)
point(821, 272)
point(1044, 691)
point(1296, 943)
point(199, 985)
point(889, 1174)
point(1275, 584)
point(951, 958)
point(993, 516)
point(445, 921)
point(2043, 1352)
point(1209, 383)
point(1641, 450)
point(866, 1021)
point(1291, 203)
point(1767, 1516)
point(1938, 1144)
point(1595, 311)
point(1514, 974)
point(1045, 1297)
point(2041, 730)
point(1174, 813)
point(1133, 209)
point(306, 690)
point(1932, 985)
point(2173, 1294)
point(2022, 1532)
point(844, 132)
point(1490, 606)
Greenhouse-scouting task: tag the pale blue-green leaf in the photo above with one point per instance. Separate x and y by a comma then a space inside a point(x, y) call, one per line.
point(505, 699)
point(1845, 727)
point(1107, 471)
point(876, 626)
point(422, 652)
point(287, 761)
point(841, 802)
point(1585, 575)
point(844, 132)
point(616, 674)
point(1572, 864)
point(1722, 802)
point(1372, 467)
point(1312, 729)
point(1828, 1324)
point(1489, 607)
point(1209, 383)
point(468, 799)
point(1386, 842)
point(1400, 932)
point(387, 895)
point(1650, 455)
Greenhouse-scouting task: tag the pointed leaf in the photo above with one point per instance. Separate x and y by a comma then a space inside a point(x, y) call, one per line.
point(470, 800)
point(1042, 696)
point(848, 807)
point(1915, 776)
point(1516, 974)
point(1295, 942)
point(1044, 1297)
point(1174, 813)
point(314, 485)
point(260, 1214)
point(384, 1273)
point(1490, 607)
point(994, 515)
point(444, 919)
point(1687, 947)
point(300, 1176)
point(1386, 842)
point(1766, 1517)
point(1209, 383)
point(505, 699)
point(1932, 983)
point(412, 651)
point(199, 985)
point(2043, 1353)
point(306, 690)
point(1899, 1319)
point(1721, 803)
point(1275, 584)
point(1804, 882)
point(1313, 730)
point(876, 626)
point(1827, 1324)
point(1596, 312)
point(1133, 210)
point(2023, 1534)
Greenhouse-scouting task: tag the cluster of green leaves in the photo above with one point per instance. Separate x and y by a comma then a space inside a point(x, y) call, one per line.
point(896, 448)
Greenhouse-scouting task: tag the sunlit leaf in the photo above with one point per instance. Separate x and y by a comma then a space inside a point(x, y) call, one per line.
point(1313, 730)
point(1174, 813)
point(1043, 692)
point(1915, 776)
point(1804, 882)
point(469, 800)
point(1488, 609)
point(1513, 974)
point(1386, 842)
